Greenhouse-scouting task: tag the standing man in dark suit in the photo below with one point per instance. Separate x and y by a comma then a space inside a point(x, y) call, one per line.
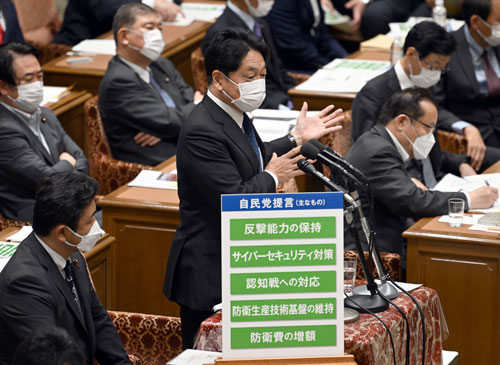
point(220, 152)
point(427, 50)
point(143, 99)
point(302, 39)
point(405, 133)
point(247, 14)
point(88, 19)
point(33, 144)
point(46, 282)
point(10, 31)
point(471, 87)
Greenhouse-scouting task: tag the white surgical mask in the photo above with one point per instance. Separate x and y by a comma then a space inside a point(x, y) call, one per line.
point(422, 145)
point(494, 39)
point(88, 241)
point(29, 96)
point(263, 8)
point(252, 94)
point(426, 79)
point(153, 43)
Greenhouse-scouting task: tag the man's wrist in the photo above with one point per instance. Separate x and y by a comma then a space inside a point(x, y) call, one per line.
point(296, 137)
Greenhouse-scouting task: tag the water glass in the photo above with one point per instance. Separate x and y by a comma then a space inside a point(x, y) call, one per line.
point(350, 264)
point(456, 208)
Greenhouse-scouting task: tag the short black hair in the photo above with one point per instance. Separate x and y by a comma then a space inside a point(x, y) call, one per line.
point(228, 49)
point(48, 346)
point(482, 8)
point(8, 52)
point(407, 102)
point(428, 37)
point(127, 15)
point(61, 199)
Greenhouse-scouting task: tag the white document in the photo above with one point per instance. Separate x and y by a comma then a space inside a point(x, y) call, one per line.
point(400, 30)
point(180, 21)
point(96, 46)
point(52, 94)
point(155, 179)
point(272, 124)
point(195, 357)
point(344, 75)
point(204, 12)
point(466, 219)
point(21, 234)
point(7, 249)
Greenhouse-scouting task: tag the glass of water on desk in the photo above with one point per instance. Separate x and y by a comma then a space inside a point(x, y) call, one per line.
point(456, 208)
point(350, 264)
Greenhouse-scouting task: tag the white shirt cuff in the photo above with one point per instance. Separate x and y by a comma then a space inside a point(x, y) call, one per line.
point(150, 3)
point(459, 126)
point(467, 195)
point(275, 178)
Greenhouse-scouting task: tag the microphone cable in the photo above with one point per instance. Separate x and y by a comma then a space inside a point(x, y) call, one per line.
point(381, 321)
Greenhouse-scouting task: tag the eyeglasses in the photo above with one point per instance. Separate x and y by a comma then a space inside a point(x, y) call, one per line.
point(441, 69)
point(432, 128)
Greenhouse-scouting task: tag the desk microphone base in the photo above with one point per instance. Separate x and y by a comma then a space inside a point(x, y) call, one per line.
point(386, 289)
point(362, 303)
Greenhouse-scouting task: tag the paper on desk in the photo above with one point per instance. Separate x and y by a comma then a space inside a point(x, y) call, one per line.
point(467, 219)
point(405, 286)
point(7, 249)
point(97, 46)
point(272, 124)
point(203, 12)
point(344, 75)
point(52, 94)
point(400, 30)
point(21, 234)
point(195, 357)
point(180, 21)
point(155, 179)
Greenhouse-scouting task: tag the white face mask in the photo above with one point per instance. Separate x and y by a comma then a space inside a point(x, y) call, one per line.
point(29, 96)
point(252, 94)
point(88, 241)
point(494, 39)
point(422, 145)
point(426, 79)
point(153, 43)
point(263, 8)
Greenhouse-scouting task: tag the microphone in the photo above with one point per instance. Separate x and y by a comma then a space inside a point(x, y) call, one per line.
point(312, 152)
point(309, 169)
point(324, 149)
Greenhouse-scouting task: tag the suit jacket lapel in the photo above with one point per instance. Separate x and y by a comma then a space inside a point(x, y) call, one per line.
point(465, 59)
point(234, 132)
point(51, 142)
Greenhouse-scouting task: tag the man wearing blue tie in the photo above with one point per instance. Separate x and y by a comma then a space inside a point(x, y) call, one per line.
point(143, 99)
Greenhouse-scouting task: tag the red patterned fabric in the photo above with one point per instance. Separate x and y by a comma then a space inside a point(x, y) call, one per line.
point(6, 223)
point(110, 173)
point(340, 141)
point(390, 261)
point(452, 142)
point(151, 339)
point(367, 339)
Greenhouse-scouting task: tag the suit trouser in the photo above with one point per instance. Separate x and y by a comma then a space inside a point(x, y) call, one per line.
point(190, 323)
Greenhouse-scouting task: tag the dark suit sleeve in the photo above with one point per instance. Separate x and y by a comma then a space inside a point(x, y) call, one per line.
point(451, 162)
point(365, 110)
point(125, 100)
point(207, 160)
point(104, 11)
point(391, 184)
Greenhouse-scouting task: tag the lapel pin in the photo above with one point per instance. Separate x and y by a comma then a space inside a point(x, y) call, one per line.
point(75, 262)
point(44, 120)
point(167, 79)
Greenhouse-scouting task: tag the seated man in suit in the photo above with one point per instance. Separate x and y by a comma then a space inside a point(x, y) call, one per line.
point(389, 155)
point(302, 39)
point(427, 50)
point(470, 89)
point(220, 152)
point(88, 19)
point(247, 14)
point(143, 99)
point(33, 143)
point(46, 282)
point(10, 31)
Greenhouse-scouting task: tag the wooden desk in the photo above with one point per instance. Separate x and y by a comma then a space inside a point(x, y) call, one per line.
point(69, 111)
point(463, 266)
point(180, 42)
point(144, 222)
point(99, 261)
point(318, 100)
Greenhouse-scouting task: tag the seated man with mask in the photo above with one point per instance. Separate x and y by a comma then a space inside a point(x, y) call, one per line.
point(427, 50)
point(389, 155)
point(33, 144)
point(46, 282)
point(143, 99)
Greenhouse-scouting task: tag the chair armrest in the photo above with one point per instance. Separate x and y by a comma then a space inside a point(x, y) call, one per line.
point(452, 142)
point(299, 78)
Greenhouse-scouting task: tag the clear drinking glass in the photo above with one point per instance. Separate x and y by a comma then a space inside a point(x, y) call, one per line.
point(350, 264)
point(456, 208)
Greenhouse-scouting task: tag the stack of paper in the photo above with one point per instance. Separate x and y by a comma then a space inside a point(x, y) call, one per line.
point(52, 94)
point(195, 357)
point(380, 43)
point(201, 11)
point(96, 46)
point(400, 30)
point(337, 20)
point(344, 75)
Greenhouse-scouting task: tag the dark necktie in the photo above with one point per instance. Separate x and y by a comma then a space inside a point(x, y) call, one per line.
point(167, 99)
point(71, 284)
point(257, 29)
point(250, 133)
point(429, 177)
point(491, 77)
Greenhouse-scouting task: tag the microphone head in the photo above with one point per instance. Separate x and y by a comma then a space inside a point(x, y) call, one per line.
point(320, 146)
point(310, 151)
point(302, 164)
